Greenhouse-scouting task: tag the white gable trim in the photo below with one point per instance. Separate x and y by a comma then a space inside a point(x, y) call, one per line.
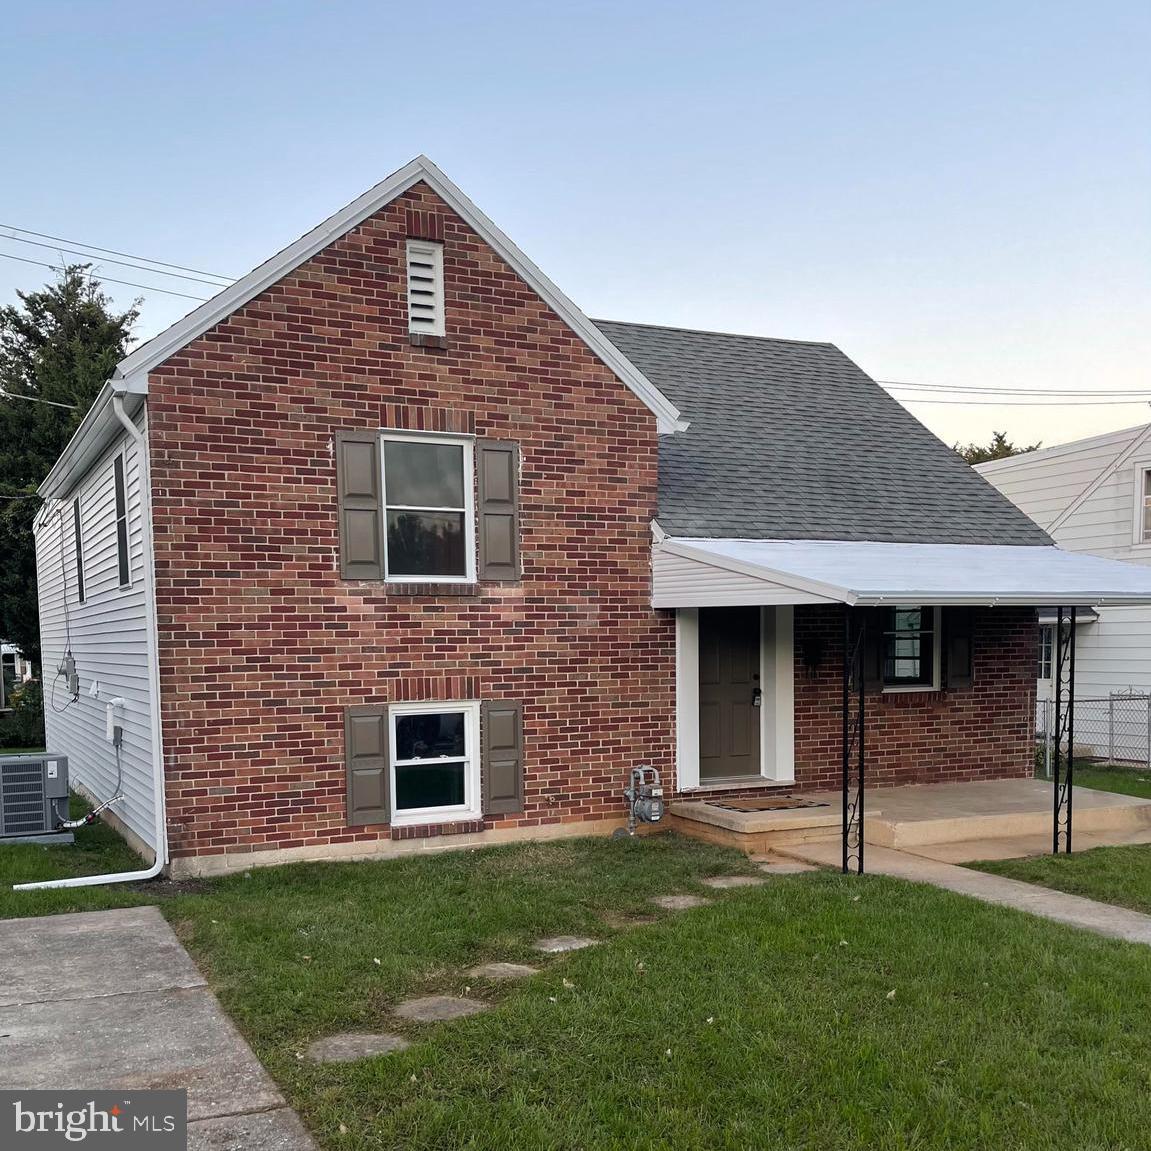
point(223, 304)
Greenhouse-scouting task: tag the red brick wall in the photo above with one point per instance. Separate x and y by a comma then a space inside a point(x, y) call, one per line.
point(262, 645)
point(985, 731)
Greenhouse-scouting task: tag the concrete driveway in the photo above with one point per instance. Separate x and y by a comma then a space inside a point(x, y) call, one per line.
point(111, 1000)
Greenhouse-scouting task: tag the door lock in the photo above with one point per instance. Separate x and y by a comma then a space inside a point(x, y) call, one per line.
point(757, 698)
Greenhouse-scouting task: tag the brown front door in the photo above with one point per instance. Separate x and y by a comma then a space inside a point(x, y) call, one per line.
point(729, 692)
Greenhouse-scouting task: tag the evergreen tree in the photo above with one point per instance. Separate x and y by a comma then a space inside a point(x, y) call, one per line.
point(999, 449)
point(59, 344)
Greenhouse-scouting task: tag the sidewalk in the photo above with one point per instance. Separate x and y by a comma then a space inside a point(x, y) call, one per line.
point(1102, 918)
point(110, 999)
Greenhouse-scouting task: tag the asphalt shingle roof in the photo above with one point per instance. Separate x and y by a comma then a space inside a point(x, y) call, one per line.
point(791, 440)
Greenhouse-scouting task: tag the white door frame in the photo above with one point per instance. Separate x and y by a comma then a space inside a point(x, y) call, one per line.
point(777, 713)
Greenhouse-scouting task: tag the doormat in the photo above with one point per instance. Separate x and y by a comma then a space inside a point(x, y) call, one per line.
point(775, 803)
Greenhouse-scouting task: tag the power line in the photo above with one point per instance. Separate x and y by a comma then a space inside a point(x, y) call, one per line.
point(107, 279)
point(113, 252)
point(1023, 403)
point(122, 263)
point(35, 400)
point(1013, 391)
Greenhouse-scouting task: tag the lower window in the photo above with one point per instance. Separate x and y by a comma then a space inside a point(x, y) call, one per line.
point(434, 762)
point(910, 650)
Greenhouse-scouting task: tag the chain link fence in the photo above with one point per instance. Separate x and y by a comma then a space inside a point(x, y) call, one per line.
point(1108, 729)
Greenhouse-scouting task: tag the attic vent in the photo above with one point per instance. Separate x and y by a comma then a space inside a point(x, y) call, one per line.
point(425, 288)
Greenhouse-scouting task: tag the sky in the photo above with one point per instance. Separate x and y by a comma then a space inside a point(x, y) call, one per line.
point(954, 193)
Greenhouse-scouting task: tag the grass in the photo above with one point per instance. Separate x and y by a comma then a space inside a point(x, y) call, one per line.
point(1119, 875)
point(763, 1020)
point(1108, 777)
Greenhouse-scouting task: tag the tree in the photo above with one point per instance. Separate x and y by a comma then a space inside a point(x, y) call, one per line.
point(999, 449)
point(59, 344)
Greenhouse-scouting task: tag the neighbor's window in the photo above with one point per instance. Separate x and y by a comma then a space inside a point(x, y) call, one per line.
point(435, 764)
point(79, 549)
point(1145, 523)
point(9, 678)
point(428, 508)
point(1046, 650)
point(121, 522)
point(909, 647)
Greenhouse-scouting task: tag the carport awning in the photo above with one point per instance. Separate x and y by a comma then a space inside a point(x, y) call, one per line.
point(845, 571)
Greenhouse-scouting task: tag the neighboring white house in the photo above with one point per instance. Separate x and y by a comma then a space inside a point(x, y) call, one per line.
point(1094, 495)
point(14, 670)
point(91, 566)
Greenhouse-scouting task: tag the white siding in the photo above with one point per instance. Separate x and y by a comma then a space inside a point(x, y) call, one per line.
point(680, 581)
point(109, 640)
point(1045, 484)
point(1097, 479)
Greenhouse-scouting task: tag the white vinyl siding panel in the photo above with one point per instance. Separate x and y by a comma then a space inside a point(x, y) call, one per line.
point(109, 640)
point(680, 581)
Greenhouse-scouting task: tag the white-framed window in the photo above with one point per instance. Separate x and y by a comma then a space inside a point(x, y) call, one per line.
point(1143, 521)
point(123, 565)
point(425, 288)
point(1046, 651)
point(910, 648)
point(78, 539)
point(435, 762)
point(429, 508)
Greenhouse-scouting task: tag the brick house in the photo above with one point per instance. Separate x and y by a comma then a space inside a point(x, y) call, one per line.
point(387, 547)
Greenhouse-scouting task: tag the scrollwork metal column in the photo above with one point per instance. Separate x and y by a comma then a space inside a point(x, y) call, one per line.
point(854, 750)
point(1063, 758)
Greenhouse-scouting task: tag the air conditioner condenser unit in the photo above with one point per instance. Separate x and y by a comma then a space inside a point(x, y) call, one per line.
point(33, 794)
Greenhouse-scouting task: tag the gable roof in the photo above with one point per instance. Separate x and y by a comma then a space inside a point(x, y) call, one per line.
point(149, 355)
point(791, 440)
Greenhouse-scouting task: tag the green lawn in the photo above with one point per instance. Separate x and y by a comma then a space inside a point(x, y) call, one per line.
point(1120, 875)
point(764, 1020)
point(1106, 777)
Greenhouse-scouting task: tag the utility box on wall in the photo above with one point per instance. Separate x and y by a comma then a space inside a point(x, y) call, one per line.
point(33, 794)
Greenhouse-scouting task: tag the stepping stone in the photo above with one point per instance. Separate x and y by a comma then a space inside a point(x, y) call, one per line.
point(354, 1045)
point(556, 944)
point(680, 902)
point(438, 1008)
point(503, 971)
point(723, 882)
point(786, 867)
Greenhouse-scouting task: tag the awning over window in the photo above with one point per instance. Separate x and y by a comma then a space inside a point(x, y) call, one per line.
point(716, 572)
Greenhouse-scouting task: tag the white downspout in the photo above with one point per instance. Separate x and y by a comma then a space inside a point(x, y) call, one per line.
point(161, 831)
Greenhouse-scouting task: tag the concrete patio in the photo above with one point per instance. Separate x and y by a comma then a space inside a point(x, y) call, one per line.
point(111, 1000)
point(947, 821)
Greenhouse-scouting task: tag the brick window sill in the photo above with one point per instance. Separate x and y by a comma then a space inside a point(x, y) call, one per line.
point(421, 340)
point(433, 589)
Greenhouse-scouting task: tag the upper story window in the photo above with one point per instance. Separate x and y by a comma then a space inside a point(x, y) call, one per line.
point(123, 567)
point(428, 509)
point(1144, 528)
point(79, 543)
point(910, 647)
point(425, 288)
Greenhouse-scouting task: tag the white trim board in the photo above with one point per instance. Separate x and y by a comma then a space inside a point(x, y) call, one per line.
point(777, 715)
point(148, 356)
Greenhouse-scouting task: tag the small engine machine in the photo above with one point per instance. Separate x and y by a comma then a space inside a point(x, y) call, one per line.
point(644, 795)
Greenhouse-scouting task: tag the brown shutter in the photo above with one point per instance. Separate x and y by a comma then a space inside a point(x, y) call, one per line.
point(875, 617)
point(498, 518)
point(958, 651)
point(503, 760)
point(366, 755)
point(358, 482)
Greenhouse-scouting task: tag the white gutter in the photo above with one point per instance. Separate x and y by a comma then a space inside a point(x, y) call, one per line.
point(161, 827)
